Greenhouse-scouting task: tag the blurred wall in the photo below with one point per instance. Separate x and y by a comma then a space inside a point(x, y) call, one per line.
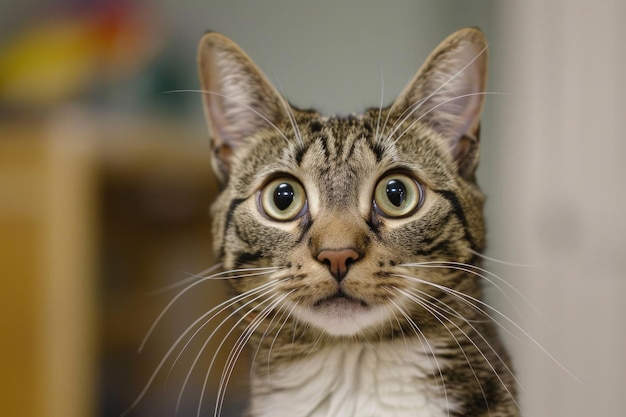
point(328, 54)
point(560, 201)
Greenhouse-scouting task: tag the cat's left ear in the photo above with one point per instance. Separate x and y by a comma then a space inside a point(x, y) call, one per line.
point(238, 99)
point(447, 93)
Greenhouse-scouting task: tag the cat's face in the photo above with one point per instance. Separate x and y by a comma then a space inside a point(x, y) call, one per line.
point(347, 218)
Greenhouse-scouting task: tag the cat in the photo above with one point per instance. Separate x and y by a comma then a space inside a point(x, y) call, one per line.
point(352, 245)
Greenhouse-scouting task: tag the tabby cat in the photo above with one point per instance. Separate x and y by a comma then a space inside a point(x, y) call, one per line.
point(353, 244)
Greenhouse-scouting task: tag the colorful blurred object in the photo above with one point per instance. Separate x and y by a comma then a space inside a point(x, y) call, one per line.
point(61, 57)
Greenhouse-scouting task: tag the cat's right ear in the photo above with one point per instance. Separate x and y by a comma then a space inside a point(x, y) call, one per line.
point(238, 99)
point(448, 93)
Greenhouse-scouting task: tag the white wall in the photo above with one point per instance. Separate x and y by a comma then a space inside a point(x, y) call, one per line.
point(329, 54)
point(561, 200)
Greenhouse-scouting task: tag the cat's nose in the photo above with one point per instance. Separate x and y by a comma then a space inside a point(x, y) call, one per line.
point(338, 261)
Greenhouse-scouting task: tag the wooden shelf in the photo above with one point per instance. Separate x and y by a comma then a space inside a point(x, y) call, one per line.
point(95, 213)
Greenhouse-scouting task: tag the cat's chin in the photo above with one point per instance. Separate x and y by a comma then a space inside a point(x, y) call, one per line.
point(341, 315)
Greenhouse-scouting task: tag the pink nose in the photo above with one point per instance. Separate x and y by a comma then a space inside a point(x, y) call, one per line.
point(338, 261)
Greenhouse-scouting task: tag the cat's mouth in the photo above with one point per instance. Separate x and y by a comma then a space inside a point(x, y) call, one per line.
point(340, 298)
point(342, 314)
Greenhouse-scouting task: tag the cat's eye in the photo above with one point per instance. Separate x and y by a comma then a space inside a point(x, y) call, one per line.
point(283, 199)
point(397, 195)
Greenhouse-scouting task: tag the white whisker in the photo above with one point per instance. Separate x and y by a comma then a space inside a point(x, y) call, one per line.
point(406, 345)
point(470, 299)
point(423, 340)
point(236, 352)
point(380, 107)
point(293, 336)
point(191, 277)
point(268, 329)
point(415, 106)
point(269, 353)
point(476, 271)
point(244, 105)
point(490, 259)
point(288, 111)
point(285, 104)
point(435, 313)
point(435, 107)
point(404, 116)
point(216, 329)
point(472, 269)
point(224, 306)
point(220, 275)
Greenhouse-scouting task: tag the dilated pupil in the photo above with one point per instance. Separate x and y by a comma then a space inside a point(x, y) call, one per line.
point(283, 196)
point(396, 192)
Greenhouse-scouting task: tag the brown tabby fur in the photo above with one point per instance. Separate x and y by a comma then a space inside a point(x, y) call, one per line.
point(430, 133)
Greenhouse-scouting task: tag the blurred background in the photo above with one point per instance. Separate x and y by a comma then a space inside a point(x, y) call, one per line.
point(105, 184)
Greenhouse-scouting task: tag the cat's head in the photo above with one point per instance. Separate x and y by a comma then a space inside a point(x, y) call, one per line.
point(349, 220)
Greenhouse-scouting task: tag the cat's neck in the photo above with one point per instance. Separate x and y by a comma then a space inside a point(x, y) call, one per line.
point(392, 378)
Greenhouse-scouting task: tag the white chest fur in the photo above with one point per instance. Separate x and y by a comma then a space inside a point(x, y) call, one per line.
point(376, 380)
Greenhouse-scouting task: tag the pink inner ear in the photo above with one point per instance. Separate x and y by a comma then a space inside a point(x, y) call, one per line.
point(239, 100)
point(461, 102)
point(452, 81)
point(245, 101)
point(471, 113)
point(475, 107)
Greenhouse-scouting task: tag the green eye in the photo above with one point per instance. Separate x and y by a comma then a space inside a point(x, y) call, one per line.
point(283, 199)
point(397, 195)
